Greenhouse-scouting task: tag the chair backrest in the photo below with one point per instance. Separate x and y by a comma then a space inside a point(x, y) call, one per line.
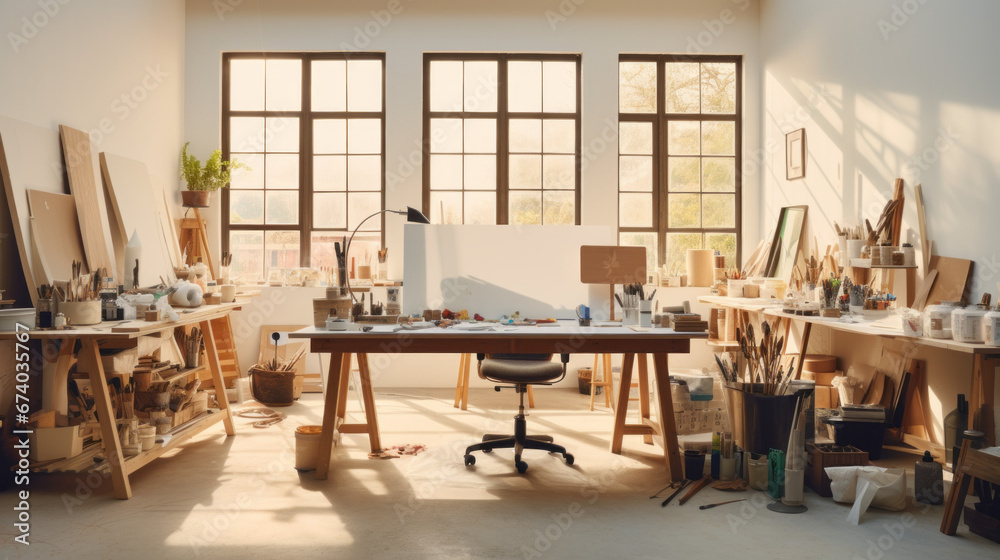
point(527, 357)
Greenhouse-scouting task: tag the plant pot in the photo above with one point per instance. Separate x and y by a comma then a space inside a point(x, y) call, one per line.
point(272, 388)
point(195, 199)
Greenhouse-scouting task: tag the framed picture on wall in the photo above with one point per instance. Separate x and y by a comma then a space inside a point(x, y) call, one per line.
point(795, 154)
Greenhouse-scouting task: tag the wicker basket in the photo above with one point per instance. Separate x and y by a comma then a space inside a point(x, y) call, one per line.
point(272, 388)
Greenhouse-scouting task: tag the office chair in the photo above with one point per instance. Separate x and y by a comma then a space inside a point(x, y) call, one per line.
point(520, 370)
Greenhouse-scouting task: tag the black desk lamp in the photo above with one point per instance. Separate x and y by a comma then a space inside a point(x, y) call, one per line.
point(412, 215)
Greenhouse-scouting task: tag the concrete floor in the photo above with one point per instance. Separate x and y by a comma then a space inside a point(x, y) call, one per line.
point(241, 497)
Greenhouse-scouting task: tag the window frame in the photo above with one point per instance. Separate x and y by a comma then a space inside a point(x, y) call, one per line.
point(306, 116)
point(659, 121)
point(502, 116)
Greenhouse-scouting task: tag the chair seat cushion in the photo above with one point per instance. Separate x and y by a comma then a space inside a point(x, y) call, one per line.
point(520, 371)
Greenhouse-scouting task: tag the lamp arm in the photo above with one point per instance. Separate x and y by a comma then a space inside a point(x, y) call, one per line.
point(347, 249)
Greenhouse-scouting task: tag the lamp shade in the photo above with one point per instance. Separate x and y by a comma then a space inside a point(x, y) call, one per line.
point(416, 216)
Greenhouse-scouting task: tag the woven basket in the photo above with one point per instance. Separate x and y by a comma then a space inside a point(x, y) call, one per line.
point(272, 388)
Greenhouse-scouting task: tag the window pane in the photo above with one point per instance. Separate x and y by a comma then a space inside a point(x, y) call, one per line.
point(246, 84)
point(446, 135)
point(635, 173)
point(524, 89)
point(330, 173)
point(724, 243)
point(446, 172)
point(329, 211)
point(684, 211)
point(283, 85)
point(647, 240)
point(635, 210)
point(525, 173)
point(281, 207)
point(282, 134)
point(329, 136)
point(558, 87)
point(718, 174)
point(282, 171)
point(446, 85)
point(323, 250)
point(281, 249)
point(252, 178)
point(246, 134)
point(635, 138)
point(480, 136)
point(559, 136)
point(481, 86)
point(637, 87)
point(683, 174)
point(364, 173)
point(364, 85)
point(525, 135)
point(446, 208)
point(718, 138)
point(682, 138)
point(246, 207)
point(559, 172)
point(720, 210)
point(481, 208)
point(364, 136)
point(481, 172)
point(681, 83)
point(718, 87)
point(525, 207)
point(559, 207)
point(677, 246)
point(359, 207)
point(329, 85)
point(247, 248)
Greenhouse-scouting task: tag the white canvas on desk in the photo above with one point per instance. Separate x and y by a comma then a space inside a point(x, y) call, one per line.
point(497, 270)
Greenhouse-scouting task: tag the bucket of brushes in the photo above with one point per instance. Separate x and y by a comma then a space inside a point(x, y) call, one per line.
point(272, 383)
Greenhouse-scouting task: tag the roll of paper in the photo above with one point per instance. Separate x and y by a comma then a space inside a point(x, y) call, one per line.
point(700, 267)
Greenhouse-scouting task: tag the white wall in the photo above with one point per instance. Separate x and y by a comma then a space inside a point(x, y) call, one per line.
point(66, 62)
point(886, 89)
point(598, 30)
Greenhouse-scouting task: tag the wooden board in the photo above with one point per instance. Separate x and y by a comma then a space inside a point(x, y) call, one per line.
point(612, 264)
point(55, 235)
point(92, 215)
point(952, 282)
point(166, 220)
point(30, 158)
point(133, 210)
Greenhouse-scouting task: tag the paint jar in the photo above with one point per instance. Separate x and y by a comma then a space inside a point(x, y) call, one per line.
point(991, 328)
point(874, 255)
point(735, 287)
point(885, 255)
point(694, 464)
point(727, 468)
point(967, 324)
point(937, 319)
point(913, 322)
point(854, 249)
point(842, 243)
point(777, 286)
point(646, 313)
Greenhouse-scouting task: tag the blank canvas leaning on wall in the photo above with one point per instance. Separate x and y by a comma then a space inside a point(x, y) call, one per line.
point(496, 270)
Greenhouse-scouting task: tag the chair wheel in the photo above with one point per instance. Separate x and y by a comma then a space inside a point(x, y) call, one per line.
point(470, 460)
point(521, 466)
point(569, 458)
point(487, 450)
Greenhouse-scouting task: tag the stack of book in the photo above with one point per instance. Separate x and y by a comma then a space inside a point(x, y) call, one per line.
point(687, 322)
point(869, 412)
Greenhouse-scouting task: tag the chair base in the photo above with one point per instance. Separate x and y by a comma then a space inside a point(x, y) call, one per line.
point(519, 442)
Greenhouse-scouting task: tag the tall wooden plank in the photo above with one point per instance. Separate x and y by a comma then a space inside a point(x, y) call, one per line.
point(79, 159)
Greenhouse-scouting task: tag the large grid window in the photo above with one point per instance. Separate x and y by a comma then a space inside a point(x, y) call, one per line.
point(679, 185)
point(311, 127)
point(503, 138)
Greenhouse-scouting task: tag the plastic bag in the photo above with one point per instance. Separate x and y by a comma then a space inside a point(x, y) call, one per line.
point(868, 487)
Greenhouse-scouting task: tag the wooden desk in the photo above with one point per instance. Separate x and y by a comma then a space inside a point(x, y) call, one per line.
point(985, 358)
point(566, 337)
point(125, 334)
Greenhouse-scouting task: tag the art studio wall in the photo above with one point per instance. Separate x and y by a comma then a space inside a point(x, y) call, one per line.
point(598, 30)
point(886, 89)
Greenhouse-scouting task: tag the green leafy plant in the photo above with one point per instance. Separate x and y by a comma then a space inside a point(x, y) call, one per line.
point(215, 175)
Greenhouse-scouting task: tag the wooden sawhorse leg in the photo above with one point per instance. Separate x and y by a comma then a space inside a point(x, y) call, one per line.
point(607, 380)
point(335, 408)
point(983, 384)
point(106, 416)
point(215, 368)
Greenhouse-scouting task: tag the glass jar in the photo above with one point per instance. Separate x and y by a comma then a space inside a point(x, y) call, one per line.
point(937, 319)
point(967, 324)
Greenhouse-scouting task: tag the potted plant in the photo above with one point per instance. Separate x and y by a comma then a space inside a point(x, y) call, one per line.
point(204, 180)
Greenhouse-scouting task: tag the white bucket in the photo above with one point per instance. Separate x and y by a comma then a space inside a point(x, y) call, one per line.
point(307, 447)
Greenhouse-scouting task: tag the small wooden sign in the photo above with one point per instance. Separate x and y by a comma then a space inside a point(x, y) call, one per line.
point(612, 264)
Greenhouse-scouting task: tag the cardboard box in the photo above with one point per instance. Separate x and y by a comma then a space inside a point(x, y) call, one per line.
point(829, 455)
point(55, 443)
point(827, 397)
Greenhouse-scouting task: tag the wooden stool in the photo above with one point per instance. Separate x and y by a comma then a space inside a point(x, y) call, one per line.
point(971, 464)
point(462, 386)
point(607, 380)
